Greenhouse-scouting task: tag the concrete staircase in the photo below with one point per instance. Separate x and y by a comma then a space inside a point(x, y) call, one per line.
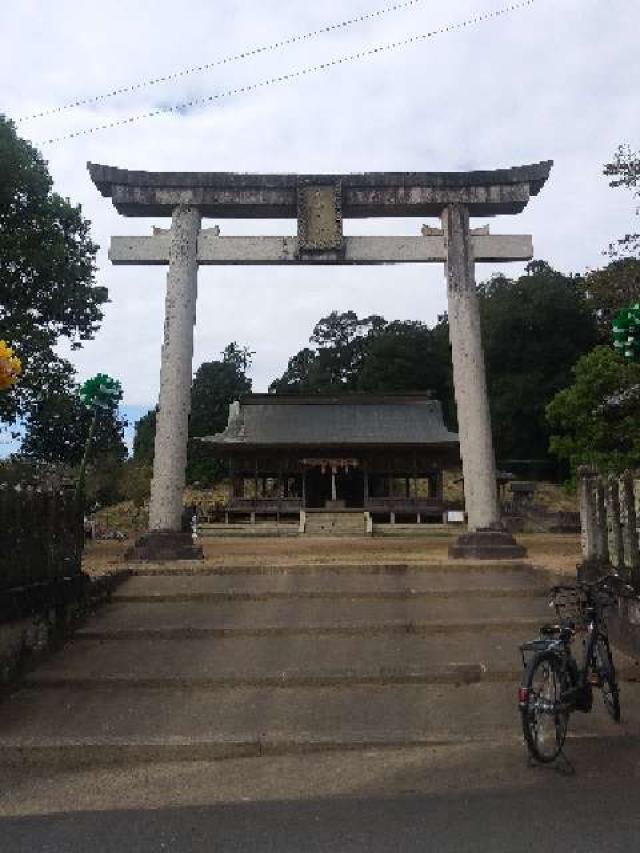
point(204, 664)
point(326, 523)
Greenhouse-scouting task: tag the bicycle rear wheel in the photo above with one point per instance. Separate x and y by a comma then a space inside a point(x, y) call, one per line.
point(607, 677)
point(545, 715)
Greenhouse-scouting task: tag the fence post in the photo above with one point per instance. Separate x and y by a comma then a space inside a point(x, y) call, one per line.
point(6, 530)
point(41, 535)
point(74, 507)
point(615, 523)
point(630, 531)
point(27, 553)
point(587, 515)
point(45, 533)
point(602, 536)
point(21, 570)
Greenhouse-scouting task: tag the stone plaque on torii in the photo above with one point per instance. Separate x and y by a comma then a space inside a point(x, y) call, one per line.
point(320, 203)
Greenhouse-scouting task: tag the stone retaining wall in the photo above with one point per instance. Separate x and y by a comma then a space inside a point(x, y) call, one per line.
point(37, 619)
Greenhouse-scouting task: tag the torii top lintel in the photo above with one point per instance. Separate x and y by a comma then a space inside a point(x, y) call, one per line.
point(235, 195)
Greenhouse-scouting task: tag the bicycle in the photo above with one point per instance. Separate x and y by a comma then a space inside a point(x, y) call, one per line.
point(554, 685)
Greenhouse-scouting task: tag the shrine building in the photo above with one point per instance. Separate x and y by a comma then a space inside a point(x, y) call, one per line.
point(293, 454)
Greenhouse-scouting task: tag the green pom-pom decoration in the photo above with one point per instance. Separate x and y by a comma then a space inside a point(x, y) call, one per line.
point(101, 392)
point(626, 332)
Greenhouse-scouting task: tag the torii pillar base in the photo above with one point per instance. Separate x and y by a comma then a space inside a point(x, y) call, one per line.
point(160, 546)
point(486, 544)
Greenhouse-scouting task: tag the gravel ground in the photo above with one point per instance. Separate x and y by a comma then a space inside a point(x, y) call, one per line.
point(559, 552)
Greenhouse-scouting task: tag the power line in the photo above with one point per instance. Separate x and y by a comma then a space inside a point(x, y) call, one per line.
point(227, 60)
point(292, 75)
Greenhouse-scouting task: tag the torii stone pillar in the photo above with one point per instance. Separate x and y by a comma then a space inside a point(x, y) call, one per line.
point(174, 404)
point(486, 537)
point(319, 203)
point(472, 402)
point(166, 539)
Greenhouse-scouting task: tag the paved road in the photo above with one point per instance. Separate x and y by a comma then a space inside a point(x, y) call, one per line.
point(466, 799)
point(582, 819)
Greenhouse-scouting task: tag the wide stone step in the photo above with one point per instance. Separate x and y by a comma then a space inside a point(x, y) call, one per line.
point(67, 726)
point(323, 568)
point(291, 660)
point(298, 660)
point(331, 585)
point(328, 524)
point(245, 529)
point(304, 616)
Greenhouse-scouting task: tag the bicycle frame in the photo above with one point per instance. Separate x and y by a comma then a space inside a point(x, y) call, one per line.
point(580, 695)
point(556, 681)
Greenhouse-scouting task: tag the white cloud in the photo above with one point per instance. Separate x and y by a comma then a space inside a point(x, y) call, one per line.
point(557, 80)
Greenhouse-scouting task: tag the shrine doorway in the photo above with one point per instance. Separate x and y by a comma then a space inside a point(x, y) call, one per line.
point(317, 487)
point(350, 488)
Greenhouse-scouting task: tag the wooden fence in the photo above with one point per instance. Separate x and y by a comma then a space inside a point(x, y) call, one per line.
point(609, 522)
point(41, 536)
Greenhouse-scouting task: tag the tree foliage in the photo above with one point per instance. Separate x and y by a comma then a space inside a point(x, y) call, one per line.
point(47, 267)
point(610, 289)
point(624, 170)
point(57, 429)
point(215, 385)
point(534, 329)
point(595, 420)
point(144, 437)
point(370, 354)
point(339, 346)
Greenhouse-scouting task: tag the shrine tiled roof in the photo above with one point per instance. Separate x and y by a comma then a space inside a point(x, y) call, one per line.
point(356, 420)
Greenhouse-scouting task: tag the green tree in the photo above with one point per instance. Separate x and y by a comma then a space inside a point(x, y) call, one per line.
point(144, 437)
point(239, 357)
point(610, 289)
point(304, 375)
point(47, 269)
point(534, 330)
point(215, 385)
point(624, 170)
point(405, 355)
point(334, 361)
point(595, 420)
point(135, 482)
point(372, 355)
point(56, 431)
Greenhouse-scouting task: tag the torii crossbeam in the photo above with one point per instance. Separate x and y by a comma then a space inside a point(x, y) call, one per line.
point(214, 249)
point(320, 203)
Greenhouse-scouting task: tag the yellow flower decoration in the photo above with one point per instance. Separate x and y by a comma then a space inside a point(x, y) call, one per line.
point(10, 367)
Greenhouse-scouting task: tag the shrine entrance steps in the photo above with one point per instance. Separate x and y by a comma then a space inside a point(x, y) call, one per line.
point(195, 663)
point(317, 522)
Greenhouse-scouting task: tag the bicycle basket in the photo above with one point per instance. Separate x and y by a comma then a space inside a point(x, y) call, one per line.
point(604, 596)
point(570, 603)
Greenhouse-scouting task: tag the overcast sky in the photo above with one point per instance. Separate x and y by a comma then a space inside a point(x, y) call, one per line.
point(558, 80)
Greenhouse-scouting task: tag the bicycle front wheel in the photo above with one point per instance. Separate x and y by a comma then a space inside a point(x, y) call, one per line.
point(545, 715)
point(607, 677)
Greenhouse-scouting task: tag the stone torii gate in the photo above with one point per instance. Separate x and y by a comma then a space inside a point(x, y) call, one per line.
point(320, 203)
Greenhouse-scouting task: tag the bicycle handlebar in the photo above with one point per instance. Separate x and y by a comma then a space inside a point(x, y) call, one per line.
point(607, 583)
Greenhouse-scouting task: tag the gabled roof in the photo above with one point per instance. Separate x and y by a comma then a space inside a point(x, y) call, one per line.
point(357, 420)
